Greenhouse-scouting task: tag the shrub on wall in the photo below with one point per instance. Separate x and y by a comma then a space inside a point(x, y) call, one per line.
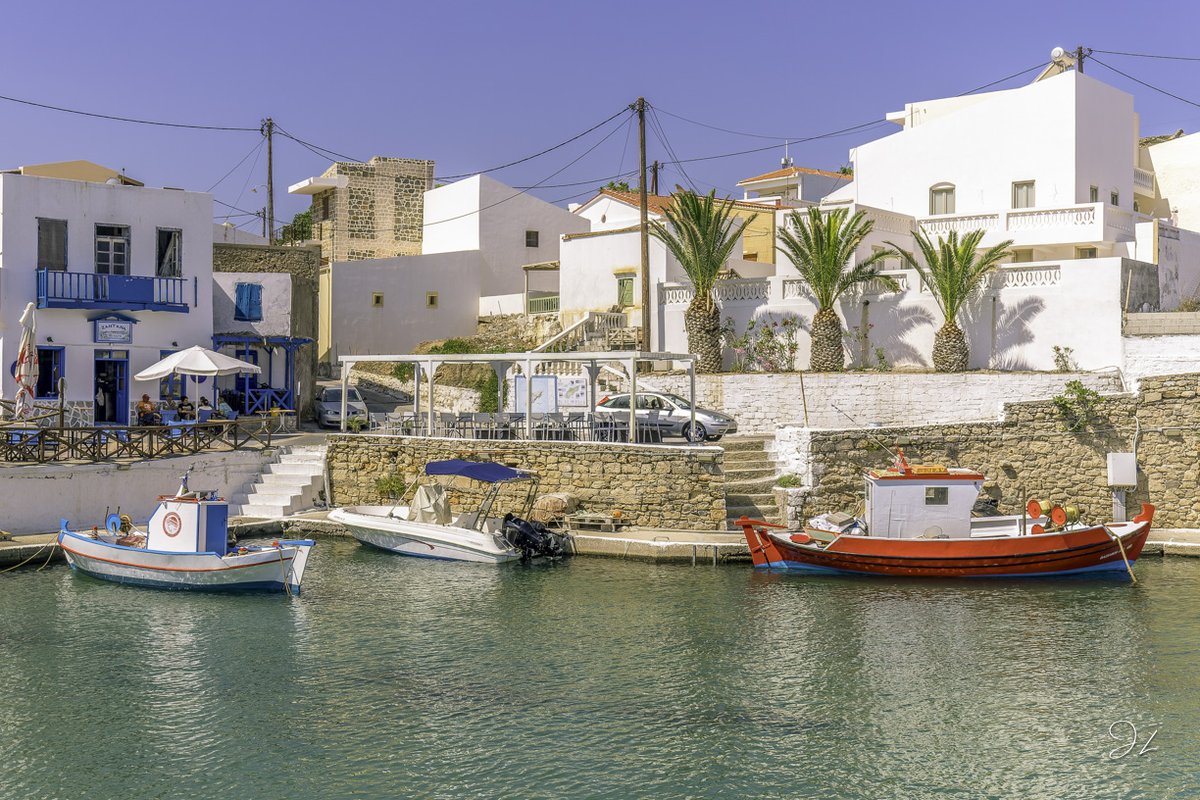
point(768, 344)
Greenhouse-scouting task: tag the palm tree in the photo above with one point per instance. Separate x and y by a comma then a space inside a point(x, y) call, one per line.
point(954, 271)
point(820, 246)
point(701, 232)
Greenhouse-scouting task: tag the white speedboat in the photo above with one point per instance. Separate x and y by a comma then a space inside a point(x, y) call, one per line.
point(184, 546)
point(426, 528)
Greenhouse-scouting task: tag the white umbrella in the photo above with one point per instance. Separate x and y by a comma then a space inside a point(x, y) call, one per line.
point(27, 364)
point(195, 361)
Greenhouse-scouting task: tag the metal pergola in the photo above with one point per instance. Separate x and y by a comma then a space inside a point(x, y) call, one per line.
point(502, 362)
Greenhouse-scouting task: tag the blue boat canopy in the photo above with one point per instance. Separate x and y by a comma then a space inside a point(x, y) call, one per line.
point(485, 471)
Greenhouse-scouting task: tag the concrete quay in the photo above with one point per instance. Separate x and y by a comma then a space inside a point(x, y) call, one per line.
point(30, 550)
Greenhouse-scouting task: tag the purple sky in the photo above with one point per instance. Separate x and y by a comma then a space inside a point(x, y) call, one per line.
point(476, 85)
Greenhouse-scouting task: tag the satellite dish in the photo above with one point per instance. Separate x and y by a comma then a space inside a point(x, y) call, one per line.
point(1057, 53)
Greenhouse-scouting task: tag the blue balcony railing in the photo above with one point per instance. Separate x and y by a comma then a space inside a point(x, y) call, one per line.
point(56, 289)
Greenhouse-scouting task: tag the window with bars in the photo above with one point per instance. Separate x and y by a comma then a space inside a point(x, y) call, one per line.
point(531, 238)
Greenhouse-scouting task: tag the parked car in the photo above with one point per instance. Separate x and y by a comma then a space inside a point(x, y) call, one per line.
point(328, 407)
point(672, 415)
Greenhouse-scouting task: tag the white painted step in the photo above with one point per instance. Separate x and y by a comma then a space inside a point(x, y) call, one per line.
point(255, 510)
point(295, 469)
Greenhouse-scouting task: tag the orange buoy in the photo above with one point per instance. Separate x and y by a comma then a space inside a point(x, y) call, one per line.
point(1036, 529)
point(1034, 507)
point(1058, 516)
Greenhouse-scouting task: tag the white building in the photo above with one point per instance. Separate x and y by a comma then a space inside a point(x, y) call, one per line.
point(1053, 166)
point(478, 236)
point(121, 275)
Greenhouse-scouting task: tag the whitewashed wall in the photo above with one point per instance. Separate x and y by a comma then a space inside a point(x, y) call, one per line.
point(83, 205)
point(1025, 312)
point(33, 498)
point(404, 321)
point(276, 303)
point(761, 402)
point(1161, 355)
point(479, 213)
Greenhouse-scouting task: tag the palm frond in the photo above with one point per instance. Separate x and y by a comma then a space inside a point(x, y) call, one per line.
point(821, 244)
point(701, 233)
point(953, 269)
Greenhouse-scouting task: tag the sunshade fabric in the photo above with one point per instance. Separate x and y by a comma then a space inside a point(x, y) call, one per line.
point(195, 361)
point(484, 471)
point(27, 364)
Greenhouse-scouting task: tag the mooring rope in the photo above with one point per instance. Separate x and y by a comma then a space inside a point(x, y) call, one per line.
point(33, 556)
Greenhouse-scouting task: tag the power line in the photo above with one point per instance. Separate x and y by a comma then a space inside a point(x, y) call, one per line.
point(1145, 55)
point(322, 152)
point(536, 155)
point(253, 150)
point(116, 118)
point(594, 181)
point(540, 183)
point(861, 127)
point(656, 126)
point(1147, 85)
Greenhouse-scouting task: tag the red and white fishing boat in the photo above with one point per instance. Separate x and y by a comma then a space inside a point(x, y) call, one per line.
point(917, 522)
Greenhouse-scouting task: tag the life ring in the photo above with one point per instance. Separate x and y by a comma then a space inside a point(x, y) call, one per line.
point(172, 524)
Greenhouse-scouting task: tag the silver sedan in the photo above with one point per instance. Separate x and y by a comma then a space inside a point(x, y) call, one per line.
point(672, 415)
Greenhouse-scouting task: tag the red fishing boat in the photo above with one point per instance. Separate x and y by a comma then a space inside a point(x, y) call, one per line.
point(917, 522)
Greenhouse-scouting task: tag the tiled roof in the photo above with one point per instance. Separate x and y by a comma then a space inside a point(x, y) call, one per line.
point(789, 172)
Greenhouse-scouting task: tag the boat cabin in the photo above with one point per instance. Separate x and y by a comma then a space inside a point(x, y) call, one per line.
point(929, 501)
point(190, 522)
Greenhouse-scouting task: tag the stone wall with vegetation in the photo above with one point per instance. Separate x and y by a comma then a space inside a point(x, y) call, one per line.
point(653, 485)
point(1032, 451)
point(760, 402)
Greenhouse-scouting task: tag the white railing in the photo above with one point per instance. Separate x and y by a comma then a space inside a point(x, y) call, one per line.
point(593, 323)
point(739, 290)
point(1144, 179)
point(877, 287)
point(1105, 223)
point(961, 223)
point(1033, 219)
point(1028, 276)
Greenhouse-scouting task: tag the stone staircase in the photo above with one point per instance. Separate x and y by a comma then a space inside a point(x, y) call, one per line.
point(289, 484)
point(750, 476)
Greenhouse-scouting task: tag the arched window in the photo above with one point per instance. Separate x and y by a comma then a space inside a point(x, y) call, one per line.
point(941, 198)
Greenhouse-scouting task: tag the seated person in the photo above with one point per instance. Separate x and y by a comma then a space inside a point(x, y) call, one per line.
point(185, 408)
point(147, 414)
point(224, 409)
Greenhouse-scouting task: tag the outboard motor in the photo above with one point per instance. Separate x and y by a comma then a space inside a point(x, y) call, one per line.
point(532, 539)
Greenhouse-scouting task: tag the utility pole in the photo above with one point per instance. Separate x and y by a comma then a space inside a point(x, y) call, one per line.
point(654, 178)
point(262, 215)
point(268, 129)
point(644, 224)
point(1079, 59)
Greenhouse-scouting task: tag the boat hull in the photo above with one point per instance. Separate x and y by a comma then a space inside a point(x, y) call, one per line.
point(276, 569)
point(372, 526)
point(1090, 549)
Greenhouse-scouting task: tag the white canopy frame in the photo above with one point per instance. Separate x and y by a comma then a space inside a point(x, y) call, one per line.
point(427, 364)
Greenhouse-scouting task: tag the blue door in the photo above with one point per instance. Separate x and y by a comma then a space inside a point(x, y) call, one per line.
point(110, 398)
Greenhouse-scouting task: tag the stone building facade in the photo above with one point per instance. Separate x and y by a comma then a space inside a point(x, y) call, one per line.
point(377, 211)
point(1029, 453)
point(652, 485)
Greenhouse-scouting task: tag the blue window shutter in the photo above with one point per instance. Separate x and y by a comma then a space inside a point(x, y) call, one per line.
point(241, 306)
point(255, 301)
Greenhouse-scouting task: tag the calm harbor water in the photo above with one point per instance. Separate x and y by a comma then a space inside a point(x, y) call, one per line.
point(599, 679)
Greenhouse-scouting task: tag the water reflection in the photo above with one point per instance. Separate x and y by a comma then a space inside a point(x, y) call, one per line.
point(596, 678)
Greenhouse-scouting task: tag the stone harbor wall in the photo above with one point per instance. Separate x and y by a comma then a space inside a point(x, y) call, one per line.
point(762, 401)
point(1028, 453)
point(652, 485)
